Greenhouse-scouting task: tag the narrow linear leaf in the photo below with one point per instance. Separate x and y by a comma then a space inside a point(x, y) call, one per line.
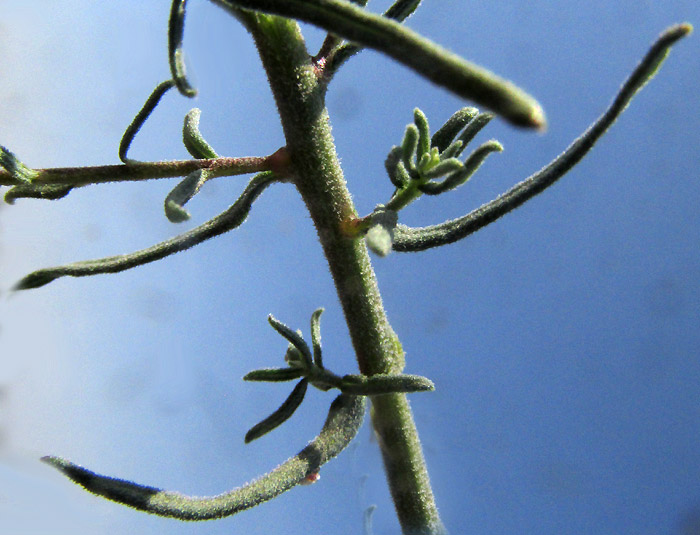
point(385, 384)
point(342, 424)
point(176, 31)
point(421, 122)
point(233, 217)
point(428, 59)
point(448, 131)
point(141, 117)
point(293, 338)
point(281, 415)
point(395, 168)
point(37, 191)
point(409, 145)
point(472, 129)
point(424, 161)
point(408, 239)
point(182, 193)
point(195, 144)
point(274, 375)
point(316, 337)
point(452, 151)
point(402, 9)
point(459, 177)
point(449, 165)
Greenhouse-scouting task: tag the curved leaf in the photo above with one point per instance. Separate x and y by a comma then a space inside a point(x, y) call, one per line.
point(228, 220)
point(176, 31)
point(281, 415)
point(344, 420)
point(141, 117)
point(195, 144)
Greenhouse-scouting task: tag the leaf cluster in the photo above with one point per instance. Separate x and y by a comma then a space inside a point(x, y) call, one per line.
point(307, 364)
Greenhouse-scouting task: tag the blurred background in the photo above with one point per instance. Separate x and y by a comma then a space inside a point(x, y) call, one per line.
point(563, 339)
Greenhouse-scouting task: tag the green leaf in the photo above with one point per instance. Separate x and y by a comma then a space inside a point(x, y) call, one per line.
point(385, 384)
point(395, 168)
point(316, 337)
point(182, 193)
point(399, 11)
point(342, 424)
point(195, 144)
point(274, 375)
point(141, 117)
point(176, 30)
point(409, 146)
point(421, 122)
point(37, 191)
point(448, 131)
point(472, 129)
point(449, 165)
point(294, 358)
point(460, 176)
point(293, 338)
point(452, 151)
point(402, 9)
point(281, 415)
point(228, 220)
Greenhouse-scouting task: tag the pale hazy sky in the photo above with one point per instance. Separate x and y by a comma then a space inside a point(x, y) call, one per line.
point(563, 340)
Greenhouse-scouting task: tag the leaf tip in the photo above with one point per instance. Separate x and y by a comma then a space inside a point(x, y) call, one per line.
point(685, 28)
point(538, 120)
point(175, 212)
point(34, 280)
point(62, 465)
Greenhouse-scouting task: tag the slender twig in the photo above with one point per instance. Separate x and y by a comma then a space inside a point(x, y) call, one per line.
point(83, 176)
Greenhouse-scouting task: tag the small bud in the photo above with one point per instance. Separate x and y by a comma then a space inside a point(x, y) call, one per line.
point(312, 478)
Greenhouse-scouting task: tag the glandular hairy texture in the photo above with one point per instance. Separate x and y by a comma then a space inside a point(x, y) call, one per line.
point(344, 420)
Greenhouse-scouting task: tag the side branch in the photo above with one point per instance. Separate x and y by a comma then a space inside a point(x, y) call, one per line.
point(135, 171)
point(407, 239)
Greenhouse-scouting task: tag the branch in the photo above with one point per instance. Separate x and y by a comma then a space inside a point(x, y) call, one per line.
point(408, 239)
point(344, 420)
point(136, 171)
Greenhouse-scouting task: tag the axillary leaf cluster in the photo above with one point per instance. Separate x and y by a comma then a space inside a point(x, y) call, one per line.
point(422, 163)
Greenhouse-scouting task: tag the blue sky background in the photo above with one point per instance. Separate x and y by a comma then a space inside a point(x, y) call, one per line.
point(563, 339)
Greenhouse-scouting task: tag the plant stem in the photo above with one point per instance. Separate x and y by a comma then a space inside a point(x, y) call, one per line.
point(319, 179)
point(135, 171)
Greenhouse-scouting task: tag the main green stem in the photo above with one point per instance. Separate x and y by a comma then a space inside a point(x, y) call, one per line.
point(319, 179)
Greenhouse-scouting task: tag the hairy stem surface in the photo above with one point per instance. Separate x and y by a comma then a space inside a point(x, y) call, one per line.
point(319, 179)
